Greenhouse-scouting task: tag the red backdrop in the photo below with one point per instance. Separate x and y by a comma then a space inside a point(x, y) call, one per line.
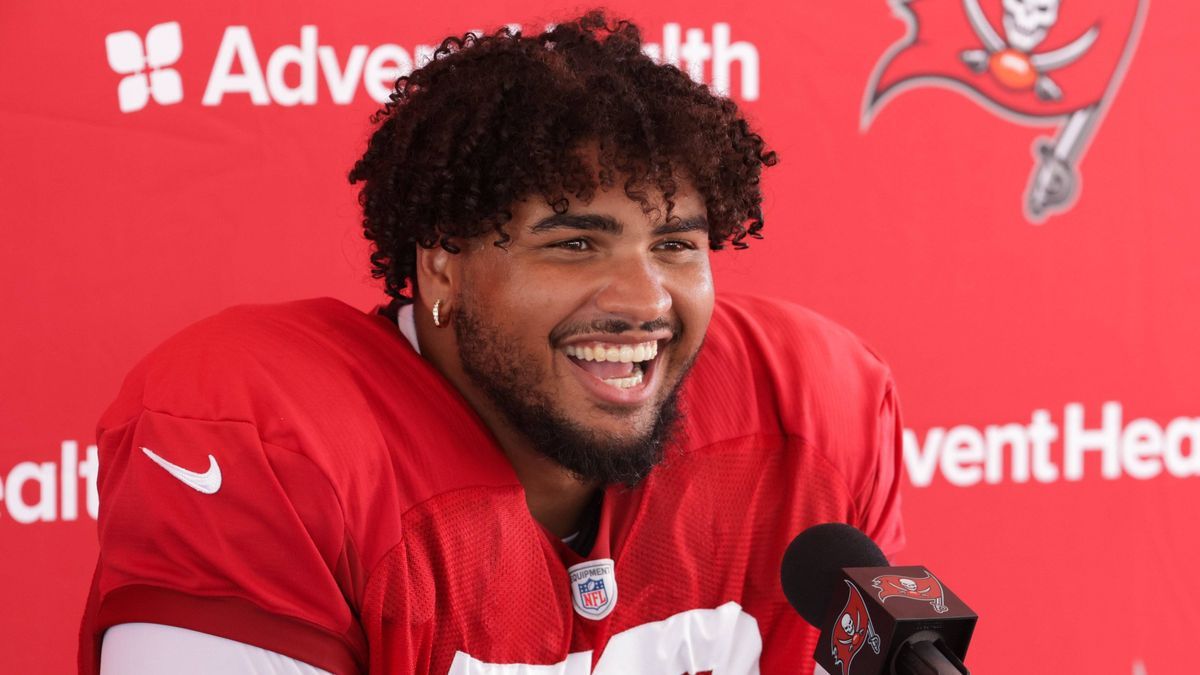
point(162, 160)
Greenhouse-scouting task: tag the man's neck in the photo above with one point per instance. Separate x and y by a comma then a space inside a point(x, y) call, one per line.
point(556, 499)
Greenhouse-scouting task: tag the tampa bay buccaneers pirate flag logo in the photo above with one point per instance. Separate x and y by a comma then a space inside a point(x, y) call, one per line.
point(926, 588)
point(853, 631)
point(1035, 62)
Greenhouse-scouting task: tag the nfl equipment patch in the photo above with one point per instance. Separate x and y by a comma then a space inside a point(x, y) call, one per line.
point(593, 588)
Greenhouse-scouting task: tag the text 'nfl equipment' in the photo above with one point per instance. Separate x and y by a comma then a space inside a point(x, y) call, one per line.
point(873, 618)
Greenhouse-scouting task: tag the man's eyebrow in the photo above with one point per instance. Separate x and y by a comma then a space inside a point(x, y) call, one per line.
point(602, 223)
point(689, 224)
point(580, 221)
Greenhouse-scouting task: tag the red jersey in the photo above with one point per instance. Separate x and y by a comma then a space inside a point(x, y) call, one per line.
point(298, 478)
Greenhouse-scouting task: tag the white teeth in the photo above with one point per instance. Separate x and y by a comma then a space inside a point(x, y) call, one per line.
point(626, 382)
point(644, 351)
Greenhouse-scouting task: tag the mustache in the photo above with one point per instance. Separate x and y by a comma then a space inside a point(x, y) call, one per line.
point(613, 327)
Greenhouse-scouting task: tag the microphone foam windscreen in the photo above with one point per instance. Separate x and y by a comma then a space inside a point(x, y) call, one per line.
point(812, 565)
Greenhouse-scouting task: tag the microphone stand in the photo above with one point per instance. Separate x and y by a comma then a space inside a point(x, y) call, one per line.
point(927, 657)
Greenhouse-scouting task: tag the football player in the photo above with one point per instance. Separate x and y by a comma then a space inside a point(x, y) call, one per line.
point(555, 450)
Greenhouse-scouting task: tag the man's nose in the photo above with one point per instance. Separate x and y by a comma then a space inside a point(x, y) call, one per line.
point(634, 291)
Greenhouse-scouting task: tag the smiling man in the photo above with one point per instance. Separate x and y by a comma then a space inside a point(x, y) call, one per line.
point(556, 450)
point(572, 340)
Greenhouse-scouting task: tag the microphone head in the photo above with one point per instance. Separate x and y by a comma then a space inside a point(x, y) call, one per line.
point(812, 566)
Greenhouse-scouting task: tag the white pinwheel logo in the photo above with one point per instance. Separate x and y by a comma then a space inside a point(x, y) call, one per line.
point(145, 66)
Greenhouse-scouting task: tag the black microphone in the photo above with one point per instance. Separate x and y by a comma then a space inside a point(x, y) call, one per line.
point(874, 619)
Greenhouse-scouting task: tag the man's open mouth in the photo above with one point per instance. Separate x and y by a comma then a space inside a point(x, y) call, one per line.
point(622, 366)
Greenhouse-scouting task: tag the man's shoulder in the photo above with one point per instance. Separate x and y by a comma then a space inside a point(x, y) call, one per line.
point(255, 363)
point(790, 340)
point(321, 380)
point(773, 366)
point(269, 331)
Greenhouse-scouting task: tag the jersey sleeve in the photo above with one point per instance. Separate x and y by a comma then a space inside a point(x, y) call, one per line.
point(800, 373)
point(879, 500)
point(150, 648)
point(850, 413)
point(205, 526)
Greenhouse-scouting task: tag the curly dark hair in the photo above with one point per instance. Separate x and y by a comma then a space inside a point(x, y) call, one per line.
point(491, 120)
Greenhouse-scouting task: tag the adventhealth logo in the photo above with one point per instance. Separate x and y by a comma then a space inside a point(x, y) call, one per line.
point(1046, 451)
point(129, 56)
point(295, 74)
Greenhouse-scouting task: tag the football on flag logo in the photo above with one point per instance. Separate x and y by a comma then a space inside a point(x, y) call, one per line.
point(853, 631)
point(927, 589)
point(1046, 63)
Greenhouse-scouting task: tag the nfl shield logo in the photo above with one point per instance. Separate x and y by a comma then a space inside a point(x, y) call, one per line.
point(593, 588)
point(593, 594)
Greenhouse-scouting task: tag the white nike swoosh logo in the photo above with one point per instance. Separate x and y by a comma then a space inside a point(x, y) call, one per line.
point(208, 482)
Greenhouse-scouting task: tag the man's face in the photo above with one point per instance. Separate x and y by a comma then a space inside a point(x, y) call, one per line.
point(581, 329)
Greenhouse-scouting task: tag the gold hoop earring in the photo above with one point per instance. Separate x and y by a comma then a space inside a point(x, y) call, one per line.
point(437, 318)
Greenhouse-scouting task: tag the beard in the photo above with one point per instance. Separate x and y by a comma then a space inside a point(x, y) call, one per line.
point(513, 384)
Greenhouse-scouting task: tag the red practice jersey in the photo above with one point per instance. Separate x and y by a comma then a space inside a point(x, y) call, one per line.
point(298, 478)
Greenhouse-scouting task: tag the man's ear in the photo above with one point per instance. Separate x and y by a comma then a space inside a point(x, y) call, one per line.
point(438, 275)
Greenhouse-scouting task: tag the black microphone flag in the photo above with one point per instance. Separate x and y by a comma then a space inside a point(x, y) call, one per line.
point(873, 618)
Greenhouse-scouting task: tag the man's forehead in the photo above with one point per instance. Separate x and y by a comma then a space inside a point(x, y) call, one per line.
point(610, 209)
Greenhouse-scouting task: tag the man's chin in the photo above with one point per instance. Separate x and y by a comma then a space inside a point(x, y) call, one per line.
point(622, 448)
point(622, 426)
point(618, 421)
point(601, 441)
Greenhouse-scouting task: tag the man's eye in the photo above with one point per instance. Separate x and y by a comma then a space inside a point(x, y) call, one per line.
point(675, 245)
point(573, 245)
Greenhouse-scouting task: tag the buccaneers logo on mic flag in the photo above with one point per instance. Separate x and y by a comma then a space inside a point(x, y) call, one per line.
point(927, 588)
point(1034, 62)
point(852, 630)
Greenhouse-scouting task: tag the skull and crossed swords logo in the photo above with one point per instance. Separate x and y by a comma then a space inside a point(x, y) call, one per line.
point(1035, 62)
point(1017, 66)
point(1013, 61)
